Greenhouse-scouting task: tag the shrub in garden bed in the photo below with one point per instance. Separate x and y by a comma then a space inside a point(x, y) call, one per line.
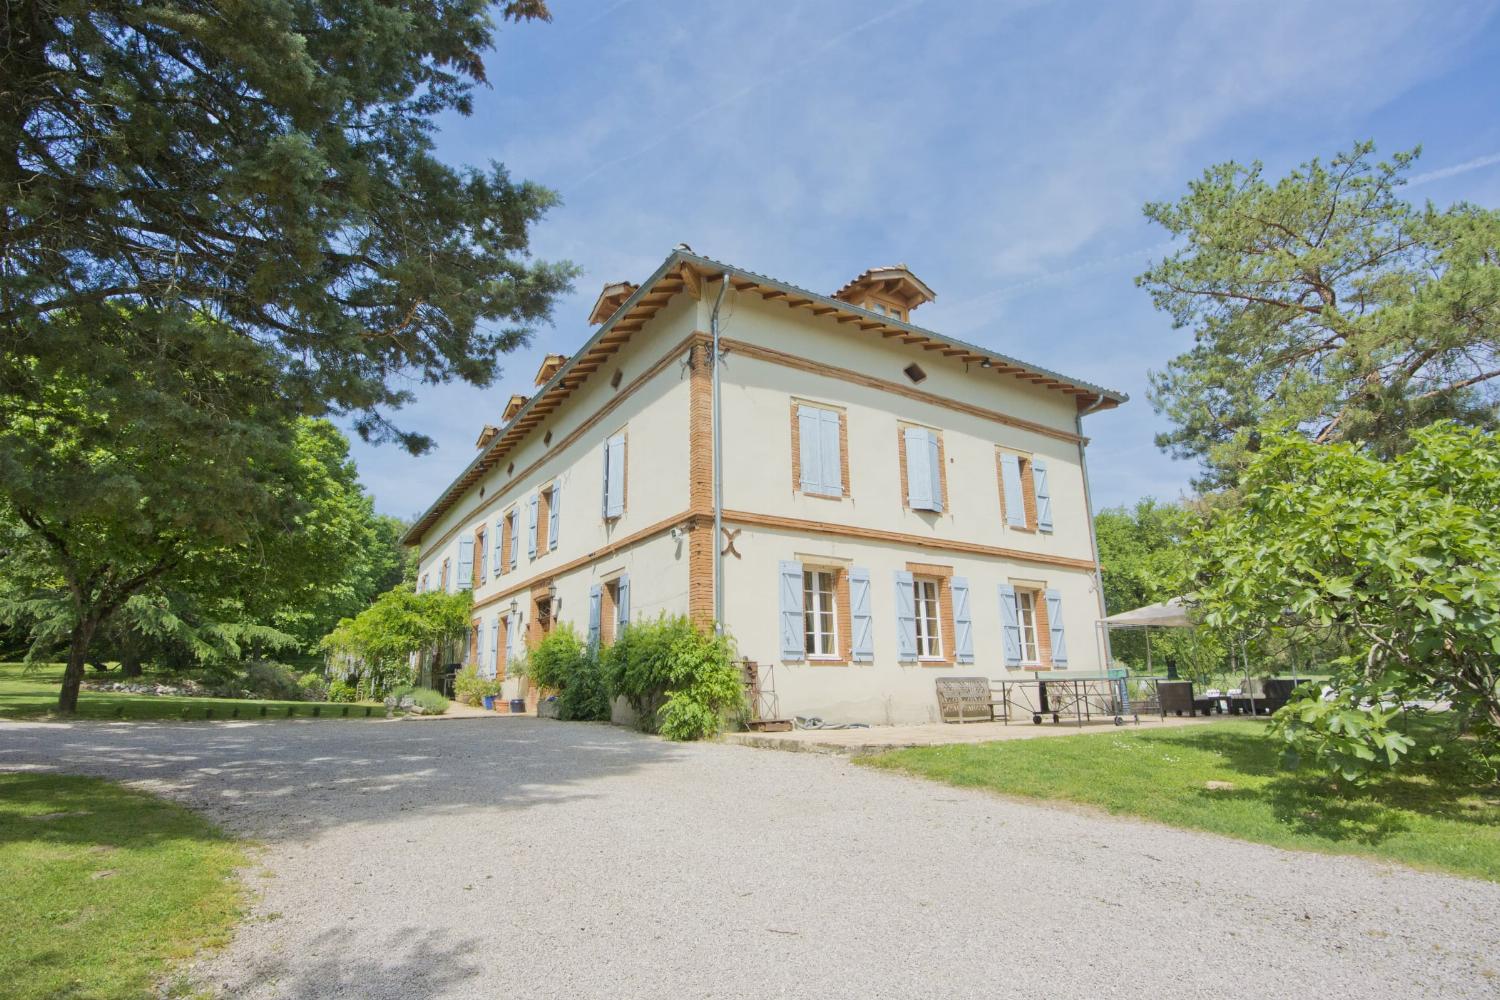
point(681, 681)
point(563, 663)
point(470, 688)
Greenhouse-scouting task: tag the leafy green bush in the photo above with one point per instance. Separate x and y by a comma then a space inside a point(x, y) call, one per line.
point(429, 701)
point(470, 688)
point(314, 687)
point(561, 662)
point(680, 680)
point(273, 681)
point(1394, 560)
point(342, 691)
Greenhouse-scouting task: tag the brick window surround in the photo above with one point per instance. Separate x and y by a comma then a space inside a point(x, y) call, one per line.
point(843, 619)
point(1043, 627)
point(1028, 488)
point(843, 449)
point(942, 455)
point(946, 632)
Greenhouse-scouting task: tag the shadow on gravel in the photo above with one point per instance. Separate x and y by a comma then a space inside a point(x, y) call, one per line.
point(413, 962)
point(293, 780)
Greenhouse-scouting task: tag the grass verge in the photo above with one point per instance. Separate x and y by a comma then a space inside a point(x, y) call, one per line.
point(32, 694)
point(102, 888)
point(1433, 814)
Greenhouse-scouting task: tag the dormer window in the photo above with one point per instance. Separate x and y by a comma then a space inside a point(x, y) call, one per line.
point(887, 291)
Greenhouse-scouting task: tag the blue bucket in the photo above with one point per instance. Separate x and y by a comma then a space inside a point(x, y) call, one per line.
point(489, 703)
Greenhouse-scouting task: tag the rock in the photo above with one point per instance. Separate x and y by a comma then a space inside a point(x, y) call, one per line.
point(1219, 786)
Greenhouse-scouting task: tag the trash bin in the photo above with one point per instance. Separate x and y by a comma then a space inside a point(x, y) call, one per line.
point(518, 706)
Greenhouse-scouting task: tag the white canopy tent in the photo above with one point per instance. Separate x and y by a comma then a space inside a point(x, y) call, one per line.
point(1173, 613)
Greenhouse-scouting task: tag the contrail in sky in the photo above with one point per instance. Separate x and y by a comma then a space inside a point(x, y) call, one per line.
point(1478, 163)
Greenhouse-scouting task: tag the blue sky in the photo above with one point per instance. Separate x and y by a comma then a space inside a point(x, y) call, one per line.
point(1002, 150)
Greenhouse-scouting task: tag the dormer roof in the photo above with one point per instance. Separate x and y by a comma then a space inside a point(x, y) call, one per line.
point(611, 298)
point(894, 282)
point(550, 367)
point(489, 431)
point(514, 406)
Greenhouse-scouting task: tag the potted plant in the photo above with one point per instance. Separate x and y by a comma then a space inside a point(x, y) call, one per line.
point(515, 678)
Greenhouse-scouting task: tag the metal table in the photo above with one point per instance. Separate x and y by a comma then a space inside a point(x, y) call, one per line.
point(1077, 695)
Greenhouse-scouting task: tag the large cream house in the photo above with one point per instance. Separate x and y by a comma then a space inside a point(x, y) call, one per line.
point(893, 505)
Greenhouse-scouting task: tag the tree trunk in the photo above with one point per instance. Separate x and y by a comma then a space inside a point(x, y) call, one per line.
point(78, 650)
point(130, 663)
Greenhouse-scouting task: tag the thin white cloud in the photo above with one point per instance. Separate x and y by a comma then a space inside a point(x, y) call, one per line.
point(764, 81)
point(1468, 166)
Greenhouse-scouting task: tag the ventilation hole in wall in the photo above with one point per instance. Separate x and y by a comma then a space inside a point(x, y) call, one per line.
point(481, 492)
point(614, 380)
point(547, 438)
point(914, 372)
point(510, 468)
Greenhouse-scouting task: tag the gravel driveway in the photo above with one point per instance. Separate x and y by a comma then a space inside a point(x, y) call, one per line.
point(523, 858)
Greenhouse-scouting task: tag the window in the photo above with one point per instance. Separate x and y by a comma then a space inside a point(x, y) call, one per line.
point(1025, 496)
point(422, 587)
point(444, 577)
point(474, 642)
point(546, 525)
point(614, 476)
point(929, 636)
point(819, 631)
point(481, 571)
point(509, 538)
point(818, 447)
point(922, 468)
point(1026, 619)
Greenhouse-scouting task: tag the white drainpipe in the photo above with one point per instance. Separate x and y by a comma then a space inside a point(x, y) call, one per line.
point(718, 464)
point(1088, 502)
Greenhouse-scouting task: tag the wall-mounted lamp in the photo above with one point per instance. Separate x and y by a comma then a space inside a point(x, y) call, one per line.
point(514, 607)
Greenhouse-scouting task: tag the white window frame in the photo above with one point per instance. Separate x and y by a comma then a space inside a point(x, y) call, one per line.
point(820, 605)
point(927, 604)
point(1031, 650)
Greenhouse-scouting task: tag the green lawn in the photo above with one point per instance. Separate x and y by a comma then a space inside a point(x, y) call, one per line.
point(1433, 815)
point(101, 888)
point(32, 694)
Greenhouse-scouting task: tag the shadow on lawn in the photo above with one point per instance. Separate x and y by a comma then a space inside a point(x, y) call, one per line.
point(1314, 803)
point(74, 811)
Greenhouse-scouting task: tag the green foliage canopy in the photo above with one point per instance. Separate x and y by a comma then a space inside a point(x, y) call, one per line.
point(1395, 559)
point(377, 643)
point(268, 164)
point(1323, 301)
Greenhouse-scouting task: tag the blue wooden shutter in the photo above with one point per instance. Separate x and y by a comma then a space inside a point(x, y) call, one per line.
point(1043, 495)
point(480, 562)
point(793, 642)
point(1010, 485)
point(553, 517)
point(906, 618)
point(862, 643)
point(614, 476)
point(622, 603)
point(494, 664)
point(963, 621)
point(596, 599)
point(1010, 625)
point(935, 471)
point(832, 476)
point(809, 442)
point(1055, 627)
point(499, 548)
point(465, 563)
point(918, 470)
point(515, 539)
point(604, 493)
point(531, 526)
